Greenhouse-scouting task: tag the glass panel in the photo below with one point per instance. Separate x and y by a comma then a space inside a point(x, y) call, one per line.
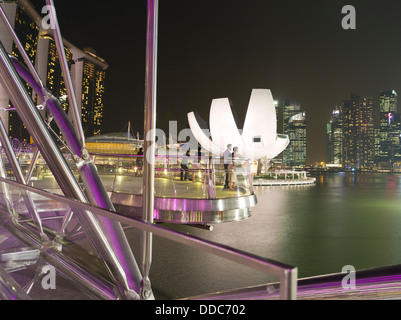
point(233, 181)
point(172, 180)
point(128, 175)
point(180, 177)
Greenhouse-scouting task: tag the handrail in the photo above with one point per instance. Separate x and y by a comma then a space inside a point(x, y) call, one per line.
point(286, 273)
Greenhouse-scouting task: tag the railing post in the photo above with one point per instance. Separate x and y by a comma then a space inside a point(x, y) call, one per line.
point(210, 180)
point(288, 284)
point(149, 144)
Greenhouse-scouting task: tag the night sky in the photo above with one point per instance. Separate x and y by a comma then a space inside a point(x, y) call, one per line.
point(217, 49)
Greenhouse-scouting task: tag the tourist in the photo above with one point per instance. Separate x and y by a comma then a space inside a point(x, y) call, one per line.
point(197, 163)
point(184, 165)
point(227, 155)
point(231, 169)
point(139, 162)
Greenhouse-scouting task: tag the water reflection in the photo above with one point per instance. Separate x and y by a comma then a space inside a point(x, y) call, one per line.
point(345, 219)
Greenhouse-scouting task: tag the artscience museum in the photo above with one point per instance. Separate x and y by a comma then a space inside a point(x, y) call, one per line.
point(256, 139)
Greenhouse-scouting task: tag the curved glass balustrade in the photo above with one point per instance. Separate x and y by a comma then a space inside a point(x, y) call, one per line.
point(192, 194)
point(123, 174)
point(204, 180)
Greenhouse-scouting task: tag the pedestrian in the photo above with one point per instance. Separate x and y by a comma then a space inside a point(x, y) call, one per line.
point(184, 165)
point(197, 163)
point(139, 162)
point(227, 155)
point(231, 169)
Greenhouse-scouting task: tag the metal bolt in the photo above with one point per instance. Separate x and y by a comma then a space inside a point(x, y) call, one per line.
point(146, 293)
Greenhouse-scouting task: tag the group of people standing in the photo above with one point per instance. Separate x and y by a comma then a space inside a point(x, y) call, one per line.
point(229, 164)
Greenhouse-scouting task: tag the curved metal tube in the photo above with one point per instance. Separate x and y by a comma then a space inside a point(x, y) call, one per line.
point(65, 125)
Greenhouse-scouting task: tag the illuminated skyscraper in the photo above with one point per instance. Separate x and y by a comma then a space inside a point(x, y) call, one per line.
point(377, 143)
point(335, 137)
point(295, 127)
point(28, 33)
point(89, 77)
point(389, 149)
point(358, 133)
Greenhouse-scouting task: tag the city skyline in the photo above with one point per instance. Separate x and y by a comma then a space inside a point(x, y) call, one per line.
point(220, 49)
point(359, 139)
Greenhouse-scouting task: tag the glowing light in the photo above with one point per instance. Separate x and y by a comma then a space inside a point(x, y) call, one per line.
point(390, 118)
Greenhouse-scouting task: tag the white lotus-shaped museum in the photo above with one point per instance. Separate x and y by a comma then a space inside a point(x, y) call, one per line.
point(258, 138)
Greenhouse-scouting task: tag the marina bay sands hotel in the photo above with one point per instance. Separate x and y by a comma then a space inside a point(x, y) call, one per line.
point(87, 70)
